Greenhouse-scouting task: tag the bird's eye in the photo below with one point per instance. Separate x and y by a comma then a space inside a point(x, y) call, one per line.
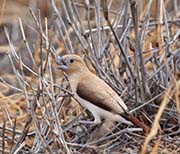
point(71, 60)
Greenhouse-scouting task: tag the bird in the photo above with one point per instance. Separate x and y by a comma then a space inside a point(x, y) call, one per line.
point(94, 94)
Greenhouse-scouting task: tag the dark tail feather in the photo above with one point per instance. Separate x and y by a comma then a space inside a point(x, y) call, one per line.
point(137, 122)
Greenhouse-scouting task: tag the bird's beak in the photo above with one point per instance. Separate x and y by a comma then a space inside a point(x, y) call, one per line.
point(62, 65)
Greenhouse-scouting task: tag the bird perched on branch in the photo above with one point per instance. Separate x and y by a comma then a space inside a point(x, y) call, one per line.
point(94, 94)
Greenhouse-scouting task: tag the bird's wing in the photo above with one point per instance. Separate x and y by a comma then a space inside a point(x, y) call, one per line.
point(97, 92)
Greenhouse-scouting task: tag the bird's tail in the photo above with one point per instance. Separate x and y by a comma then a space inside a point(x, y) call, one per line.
point(136, 122)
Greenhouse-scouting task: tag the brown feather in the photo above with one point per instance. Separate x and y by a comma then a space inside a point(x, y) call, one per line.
point(97, 92)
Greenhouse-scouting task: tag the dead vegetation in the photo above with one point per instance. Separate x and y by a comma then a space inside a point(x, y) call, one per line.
point(132, 45)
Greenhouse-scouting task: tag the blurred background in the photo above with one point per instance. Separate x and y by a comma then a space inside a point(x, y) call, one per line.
point(141, 70)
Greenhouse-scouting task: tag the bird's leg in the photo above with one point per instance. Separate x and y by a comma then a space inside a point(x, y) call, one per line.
point(86, 122)
point(89, 122)
point(96, 121)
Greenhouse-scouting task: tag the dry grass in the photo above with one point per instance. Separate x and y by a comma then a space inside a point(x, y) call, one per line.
point(134, 47)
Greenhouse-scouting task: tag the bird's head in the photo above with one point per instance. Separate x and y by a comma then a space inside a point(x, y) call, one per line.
point(71, 64)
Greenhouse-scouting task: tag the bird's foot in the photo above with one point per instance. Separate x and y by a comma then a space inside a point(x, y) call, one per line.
point(89, 122)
